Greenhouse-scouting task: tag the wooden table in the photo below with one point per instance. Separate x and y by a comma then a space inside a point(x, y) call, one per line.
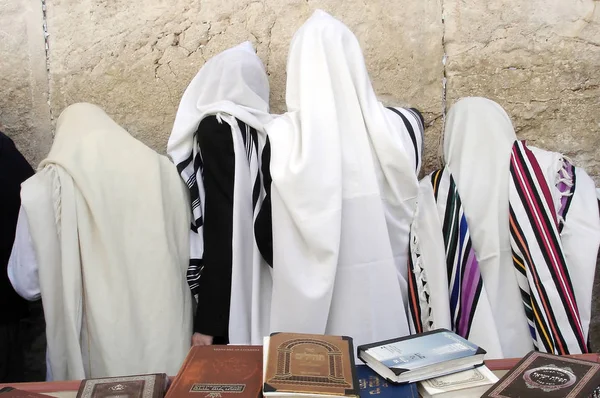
point(68, 389)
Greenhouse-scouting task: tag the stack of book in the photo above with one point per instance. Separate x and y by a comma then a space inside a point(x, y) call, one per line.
point(436, 364)
point(442, 363)
point(315, 366)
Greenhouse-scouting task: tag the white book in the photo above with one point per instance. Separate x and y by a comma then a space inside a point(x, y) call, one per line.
point(466, 384)
point(421, 356)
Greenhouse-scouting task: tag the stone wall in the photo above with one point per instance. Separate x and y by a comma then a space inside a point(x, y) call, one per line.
point(539, 59)
point(24, 110)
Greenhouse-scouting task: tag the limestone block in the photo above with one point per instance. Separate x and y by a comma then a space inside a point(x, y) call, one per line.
point(24, 111)
point(540, 60)
point(136, 58)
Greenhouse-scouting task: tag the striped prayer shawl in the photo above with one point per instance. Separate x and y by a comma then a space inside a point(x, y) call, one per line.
point(538, 257)
point(415, 115)
point(464, 277)
point(191, 170)
point(415, 291)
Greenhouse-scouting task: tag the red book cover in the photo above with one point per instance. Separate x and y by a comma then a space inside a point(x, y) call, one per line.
point(219, 372)
point(10, 392)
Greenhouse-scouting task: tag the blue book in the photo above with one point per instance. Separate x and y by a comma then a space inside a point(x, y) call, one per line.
point(372, 385)
point(421, 356)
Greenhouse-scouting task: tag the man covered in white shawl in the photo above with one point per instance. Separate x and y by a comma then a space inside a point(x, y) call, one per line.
point(221, 151)
point(102, 236)
point(504, 243)
point(343, 193)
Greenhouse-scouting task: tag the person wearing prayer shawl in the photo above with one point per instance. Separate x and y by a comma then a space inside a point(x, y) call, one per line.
point(102, 236)
point(343, 193)
point(504, 243)
point(221, 151)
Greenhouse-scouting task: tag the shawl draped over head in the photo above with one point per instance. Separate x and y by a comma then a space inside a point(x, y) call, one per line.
point(470, 219)
point(343, 193)
point(232, 86)
point(109, 223)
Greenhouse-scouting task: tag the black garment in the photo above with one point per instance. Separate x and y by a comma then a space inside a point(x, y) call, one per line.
point(14, 169)
point(214, 291)
point(263, 226)
point(217, 158)
point(11, 352)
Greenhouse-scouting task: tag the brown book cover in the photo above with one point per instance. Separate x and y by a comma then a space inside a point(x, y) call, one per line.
point(10, 392)
point(218, 371)
point(548, 376)
point(311, 364)
point(140, 386)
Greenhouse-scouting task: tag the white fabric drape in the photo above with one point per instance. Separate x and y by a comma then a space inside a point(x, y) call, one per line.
point(478, 141)
point(581, 238)
point(431, 270)
point(233, 85)
point(338, 163)
point(109, 223)
point(22, 266)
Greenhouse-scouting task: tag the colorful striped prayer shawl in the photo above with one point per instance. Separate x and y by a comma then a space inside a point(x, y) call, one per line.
point(538, 257)
point(464, 277)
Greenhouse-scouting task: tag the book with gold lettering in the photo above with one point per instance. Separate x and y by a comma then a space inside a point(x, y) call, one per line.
point(542, 375)
point(141, 386)
point(218, 371)
point(308, 365)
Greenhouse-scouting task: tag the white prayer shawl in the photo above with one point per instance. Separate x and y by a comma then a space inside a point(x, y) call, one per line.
point(431, 273)
point(398, 213)
point(336, 159)
point(581, 239)
point(477, 145)
point(478, 141)
point(109, 226)
point(232, 85)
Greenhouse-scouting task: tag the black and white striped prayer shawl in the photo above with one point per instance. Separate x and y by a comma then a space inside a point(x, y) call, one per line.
point(191, 170)
point(420, 125)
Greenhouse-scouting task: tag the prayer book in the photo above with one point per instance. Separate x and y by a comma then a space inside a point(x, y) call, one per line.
point(470, 383)
point(309, 365)
point(542, 375)
point(10, 392)
point(422, 356)
point(140, 386)
point(219, 371)
point(372, 385)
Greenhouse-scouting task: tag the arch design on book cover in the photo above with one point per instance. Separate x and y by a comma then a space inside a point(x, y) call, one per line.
point(284, 375)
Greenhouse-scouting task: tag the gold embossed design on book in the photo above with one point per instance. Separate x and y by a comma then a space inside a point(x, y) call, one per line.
point(310, 364)
point(139, 386)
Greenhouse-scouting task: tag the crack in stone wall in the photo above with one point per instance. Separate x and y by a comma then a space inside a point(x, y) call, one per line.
point(47, 53)
point(444, 83)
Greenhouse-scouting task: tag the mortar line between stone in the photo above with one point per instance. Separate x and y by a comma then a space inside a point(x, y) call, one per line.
point(444, 81)
point(47, 53)
point(444, 61)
